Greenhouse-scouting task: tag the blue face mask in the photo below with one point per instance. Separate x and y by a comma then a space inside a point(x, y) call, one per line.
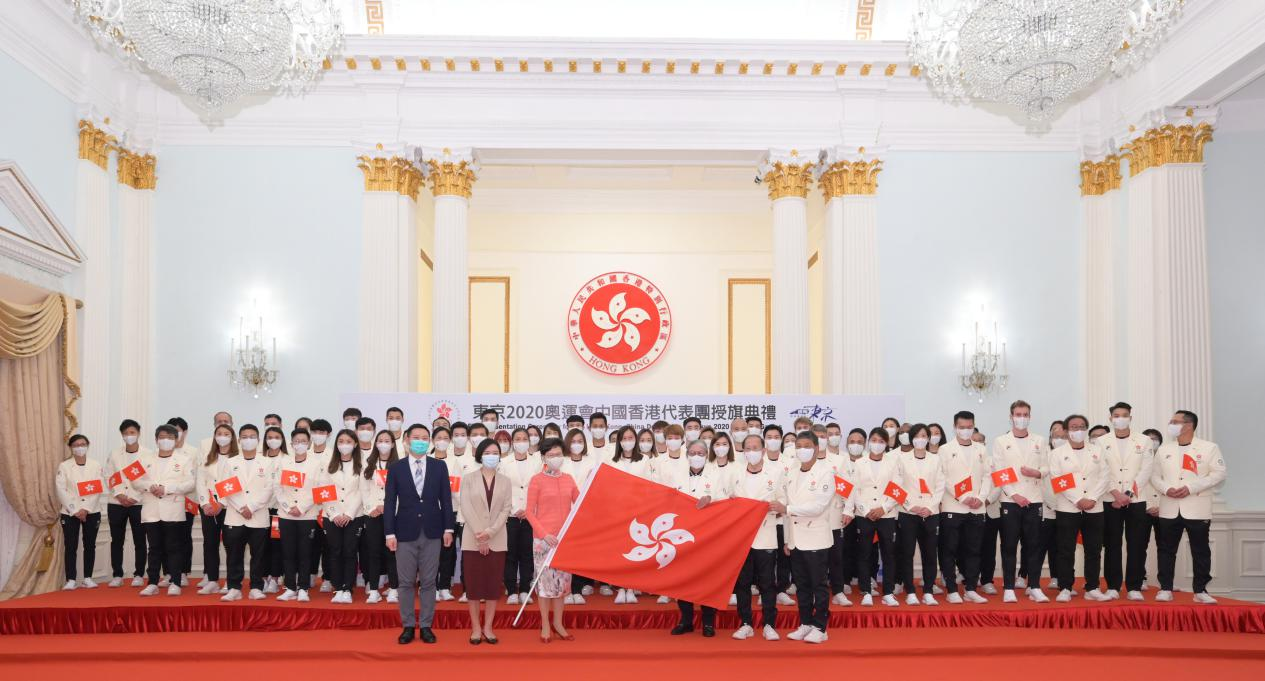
point(419, 446)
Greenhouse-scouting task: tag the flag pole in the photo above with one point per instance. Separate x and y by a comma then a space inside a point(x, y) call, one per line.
point(561, 533)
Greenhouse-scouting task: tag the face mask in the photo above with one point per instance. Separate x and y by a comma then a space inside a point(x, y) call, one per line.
point(754, 458)
point(805, 455)
point(691, 435)
point(834, 440)
point(346, 449)
point(739, 434)
point(598, 433)
point(856, 448)
point(1077, 436)
point(920, 443)
point(166, 444)
point(349, 424)
point(903, 438)
point(394, 424)
point(697, 461)
point(674, 444)
point(384, 448)
point(440, 445)
point(1154, 445)
point(965, 434)
point(891, 431)
point(129, 440)
point(878, 447)
point(476, 440)
point(1020, 422)
point(533, 440)
point(629, 444)
point(249, 444)
point(490, 425)
point(553, 462)
point(459, 441)
point(659, 438)
point(708, 441)
point(1120, 422)
point(273, 443)
point(300, 448)
point(79, 451)
point(521, 447)
point(1056, 442)
point(577, 447)
point(491, 460)
point(1175, 429)
point(319, 439)
point(645, 447)
point(772, 443)
point(365, 436)
point(721, 451)
point(223, 440)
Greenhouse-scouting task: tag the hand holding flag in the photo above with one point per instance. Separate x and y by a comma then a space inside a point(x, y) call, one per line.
point(227, 488)
point(1189, 464)
point(134, 470)
point(842, 487)
point(89, 488)
point(1063, 483)
point(324, 494)
point(962, 487)
point(895, 492)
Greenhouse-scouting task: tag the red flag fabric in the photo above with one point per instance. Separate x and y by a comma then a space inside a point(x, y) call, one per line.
point(842, 487)
point(962, 487)
point(1005, 476)
point(134, 470)
point(275, 532)
point(922, 487)
point(323, 494)
point(896, 492)
point(380, 476)
point(454, 482)
point(291, 478)
point(638, 534)
point(88, 488)
point(116, 480)
point(190, 506)
point(227, 488)
point(1188, 463)
point(1063, 483)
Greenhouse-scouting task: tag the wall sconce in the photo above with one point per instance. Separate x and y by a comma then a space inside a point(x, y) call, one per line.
point(249, 366)
point(984, 370)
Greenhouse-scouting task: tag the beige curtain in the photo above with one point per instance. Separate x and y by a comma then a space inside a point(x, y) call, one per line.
point(38, 389)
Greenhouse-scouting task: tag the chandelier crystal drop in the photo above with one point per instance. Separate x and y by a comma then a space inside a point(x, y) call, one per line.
point(218, 51)
point(1033, 54)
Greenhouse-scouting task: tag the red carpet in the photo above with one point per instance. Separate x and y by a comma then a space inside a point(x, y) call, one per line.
point(120, 611)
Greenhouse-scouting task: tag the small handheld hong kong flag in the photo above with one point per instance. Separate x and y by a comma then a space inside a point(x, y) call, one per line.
point(275, 531)
point(454, 481)
point(922, 487)
point(842, 487)
point(116, 480)
point(88, 488)
point(895, 492)
point(324, 494)
point(1189, 464)
point(190, 506)
point(134, 471)
point(380, 477)
point(1063, 483)
point(1005, 476)
point(962, 487)
point(291, 478)
point(227, 488)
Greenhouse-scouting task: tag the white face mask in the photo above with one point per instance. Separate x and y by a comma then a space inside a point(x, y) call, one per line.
point(223, 440)
point(739, 434)
point(1120, 422)
point(692, 435)
point(553, 462)
point(476, 440)
point(878, 447)
point(249, 443)
point(773, 444)
point(349, 424)
point(384, 448)
point(891, 430)
point(754, 458)
point(721, 451)
point(674, 444)
point(346, 449)
point(805, 454)
point(521, 447)
point(1020, 422)
point(697, 460)
point(965, 434)
point(1175, 429)
point(300, 448)
point(577, 447)
point(79, 451)
point(834, 440)
point(660, 438)
point(628, 445)
point(441, 445)
point(129, 440)
point(533, 440)
point(597, 433)
point(491, 460)
point(920, 443)
point(460, 441)
point(365, 436)
point(645, 447)
point(1056, 442)
point(395, 424)
point(856, 448)
point(490, 425)
point(1077, 436)
point(903, 438)
point(319, 439)
point(166, 444)
point(273, 443)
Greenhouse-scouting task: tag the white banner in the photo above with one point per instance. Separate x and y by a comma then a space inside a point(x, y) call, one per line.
point(717, 411)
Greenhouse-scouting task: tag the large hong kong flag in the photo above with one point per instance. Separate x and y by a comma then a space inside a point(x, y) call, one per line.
point(642, 535)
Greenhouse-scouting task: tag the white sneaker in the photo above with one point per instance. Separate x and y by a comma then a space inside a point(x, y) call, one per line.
point(586, 590)
point(955, 598)
point(621, 597)
point(88, 583)
point(326, 587)
point(744, 632)
point(847, 588)
point(209, 588)
point(989, 589)
point(70, 585)
point(257, 595)
point(755, 590)
point(1038, 596)
point(976, 598)
point(800, 633)
point(173, 589)
point(1065, 596)
point(373, 597)
point(791, 589)
point(205, 579)
point(606, 590)
point(568, 600)
point(783, 599)
point(393, 596)
point(184, 580)
point(630, 597)
point(1113, 595)
point(512, 600)
point(890, 601)
point(579, 599)
point(733, 600)
point(815, 635)
point(840, 599)
point(928, 599)
point(116, 583)
point(1136, 596)
point(151, 590)
point(1096, 595)
point(1009, 596)
point(935, 589)
point(345, 598)
point(303, 596)
point(770, 634)
point(664, 600)
point(270, 586)
point(526, 597)
point(164, 582)
point(138, 581)
point(1021, 583)
point(232, 595)
point(464, 598)
point(447, 594)
point(1164, 596)
point(867, 600)
point(912, 599)
point(287, 595)
point(1203, 598)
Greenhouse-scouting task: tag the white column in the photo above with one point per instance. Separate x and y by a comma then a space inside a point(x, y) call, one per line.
point(853, 353)
point(136, 205)
point(788, 174)
point(388, 275)
point(92, 230)
point(451, 173)
point(1100, 184)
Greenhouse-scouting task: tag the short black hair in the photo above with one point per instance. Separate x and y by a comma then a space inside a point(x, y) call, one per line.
point(574, 418)
point(493, 412)
point(549, 443)
point(809, 435)
point(1153, 433)
point(483, 447)
point(395, 409)
point(128, 423)
point(1190, 417)
point(772, 427)
point(322, 426)
point(1121, 405)
point(963, 416)
point(246, 427)
point(366, 421)
point(1099, 426)
point(178, 422)
point(472, 426)
point(352, 412)
point(166, 429)
point(415, 426)
point(692, 419)
point(598, 415)
point(300, 431)
point(272, 416)
point(1068, 420)
point(459, 424)
point(659, 425)
point(76, 438)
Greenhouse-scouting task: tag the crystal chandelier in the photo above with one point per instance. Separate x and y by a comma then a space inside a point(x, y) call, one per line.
point(984, 370)
point(249, 366)
point(218, 51)
point(1033, 54)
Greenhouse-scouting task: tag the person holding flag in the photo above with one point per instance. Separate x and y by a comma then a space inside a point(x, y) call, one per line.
point(339, 493)
point(296, 511)
point(1018, 466)
point(1130, 461)
point(768, 484)
point(967, 483)
point(223, 444)
point(878, 491)
point(170, 474)
point(375, 559)
point(80, 484)
point(1078, 479)
point(919, 520)
point(123, 510)
point(244, 484)
point(1186, 474)
point(706, 484)
point(550, 495)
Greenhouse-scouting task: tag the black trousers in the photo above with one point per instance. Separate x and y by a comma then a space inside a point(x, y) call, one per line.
point(340, 569)
point(120, 517)
point(71, 527)
point(1048, 546)
point(274, 561)
point(885, 528)
point(916, 532)
point(834, 565)
point(1129, 526)
point(960, 537)
point(783, 569)
point(1089, 526)
point(166, 549)
point(687, 614)
point(757, 570)
point(848, 536)
point(988, 549)
point(212, 530)
point(812, 588)
point(186, 558)
point(1020, 524)
point(519, 566)
point(1200, 553)
point(236, 540)
point(448, 560)
point(298, 540)
point(375, 557)
point(320, 551)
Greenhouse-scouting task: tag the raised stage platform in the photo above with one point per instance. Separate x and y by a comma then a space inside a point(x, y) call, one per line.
point(121, 610)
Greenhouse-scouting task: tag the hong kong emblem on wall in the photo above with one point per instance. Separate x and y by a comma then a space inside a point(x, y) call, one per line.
point(619, 323)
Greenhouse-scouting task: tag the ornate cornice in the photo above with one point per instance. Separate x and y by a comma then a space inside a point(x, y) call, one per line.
point(390, 174)
point(1167, 144)
point(848, 174)
point(451, 173)
point(136, 170)
point(95, 144)
point(1100, 177)
point(787, 173)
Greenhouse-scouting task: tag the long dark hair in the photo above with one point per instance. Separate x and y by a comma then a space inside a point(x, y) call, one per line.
point(280, 433)
point(214, 454)
point(881, 432)
point(635, 454)
point(566, 439)
point(336, 459)
point(375, 457)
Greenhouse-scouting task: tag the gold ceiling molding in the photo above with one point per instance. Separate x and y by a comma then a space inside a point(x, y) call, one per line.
point(375, 20)
point(95, 144)
point(865, 19)
point(850, 178)
point(1167, 144)
point(394, 174)
point(449, 178)
point(1100, 177)
point(692, 67)
point(789, 179)
point(136, 170)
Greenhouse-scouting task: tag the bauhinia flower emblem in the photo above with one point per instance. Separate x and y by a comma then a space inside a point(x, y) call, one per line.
point(619, 323)
point(659, 540)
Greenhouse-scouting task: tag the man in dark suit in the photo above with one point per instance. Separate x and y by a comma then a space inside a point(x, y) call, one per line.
point(417, 515)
